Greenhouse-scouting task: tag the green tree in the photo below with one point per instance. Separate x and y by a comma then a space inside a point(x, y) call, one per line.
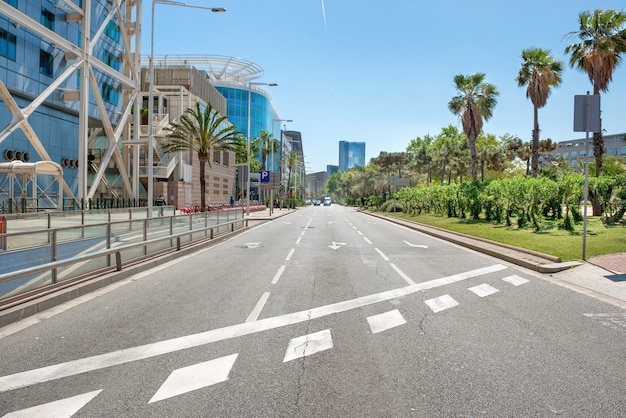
point(201, 132)
point(473, 103)
point(602, 41)
point(265, 143)
point(540, 71)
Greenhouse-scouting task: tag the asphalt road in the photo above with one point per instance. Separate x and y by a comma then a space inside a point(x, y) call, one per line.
point(326, 312)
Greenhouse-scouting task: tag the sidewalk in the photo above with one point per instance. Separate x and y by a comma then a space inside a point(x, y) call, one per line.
point(264, 215)
point(603, 277)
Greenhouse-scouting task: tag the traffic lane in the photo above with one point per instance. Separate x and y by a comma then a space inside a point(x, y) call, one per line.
point(420, 256)
point(210, 289)
point(411, 307)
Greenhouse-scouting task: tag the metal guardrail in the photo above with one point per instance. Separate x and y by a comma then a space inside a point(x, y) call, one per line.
point(168, 234)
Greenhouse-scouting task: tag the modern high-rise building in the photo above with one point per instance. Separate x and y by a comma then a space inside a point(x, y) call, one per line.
point(74, 109)
point(351, 154)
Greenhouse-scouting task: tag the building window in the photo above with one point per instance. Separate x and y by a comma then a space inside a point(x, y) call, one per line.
point(7, 44)
point(226, 158)
point(47, 18)
point(111, 60)
point(613, 151)
point(113, 31)
point(216, 157)
point(11, 3)
point(622, 150)
point(110, 94)
point(45, 62)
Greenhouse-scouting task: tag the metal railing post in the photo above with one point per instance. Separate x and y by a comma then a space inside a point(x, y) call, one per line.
point(53, 254)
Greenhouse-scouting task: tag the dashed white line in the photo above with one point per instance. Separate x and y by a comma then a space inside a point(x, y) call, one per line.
point(290, 254)
point(441, 303)
point(385, 321)
point(401, 273)
point(308, 344)
point(254, 315)
point(368, 241)
point(483, 290)
point(279, 273)
point(382, 254)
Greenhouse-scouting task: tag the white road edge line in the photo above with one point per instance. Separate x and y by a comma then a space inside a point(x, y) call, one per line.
point(114, 358)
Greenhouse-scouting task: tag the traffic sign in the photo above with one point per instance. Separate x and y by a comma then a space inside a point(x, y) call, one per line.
point(265, 176)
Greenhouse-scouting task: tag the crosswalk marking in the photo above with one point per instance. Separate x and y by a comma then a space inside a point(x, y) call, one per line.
point(61, 408)
point(308, 344)
point(515, 280)
point(483, 290)
point(385, 321)
point(441, 303)
point(195, 377)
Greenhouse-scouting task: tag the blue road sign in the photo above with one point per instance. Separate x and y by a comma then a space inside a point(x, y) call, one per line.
point(265, 176)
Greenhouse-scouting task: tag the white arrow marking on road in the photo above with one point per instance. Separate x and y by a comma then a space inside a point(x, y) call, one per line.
point(336, 245)
point(61, 408)
point(195, 377)
point(415, 245)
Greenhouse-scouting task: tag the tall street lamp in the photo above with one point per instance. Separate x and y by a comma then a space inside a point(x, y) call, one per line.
point(250, 84)
point(151, 89)
point(272, 161)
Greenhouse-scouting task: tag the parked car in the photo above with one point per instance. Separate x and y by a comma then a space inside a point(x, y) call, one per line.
point(316, 202)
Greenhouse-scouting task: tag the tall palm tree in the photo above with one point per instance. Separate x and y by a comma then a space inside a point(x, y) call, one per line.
point(201, 131)
point(267, 143)
point(473, 103)
point(602, 41)
point(291, 160)
point(540, 71)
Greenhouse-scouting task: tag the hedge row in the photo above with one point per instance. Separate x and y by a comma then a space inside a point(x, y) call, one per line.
point(528, 200)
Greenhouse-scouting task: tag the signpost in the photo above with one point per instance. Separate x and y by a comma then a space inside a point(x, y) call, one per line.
point(586, 119)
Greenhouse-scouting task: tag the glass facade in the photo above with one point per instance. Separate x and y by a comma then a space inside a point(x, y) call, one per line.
point(351, 154)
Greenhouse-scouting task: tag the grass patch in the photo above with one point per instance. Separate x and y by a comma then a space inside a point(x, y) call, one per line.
point(601, 239)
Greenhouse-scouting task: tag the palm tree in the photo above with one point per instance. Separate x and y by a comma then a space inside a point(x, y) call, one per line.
point(602, 41)
point(201, 131)
point(540, 71)
point(267, 143)
point(473, 103)
point(291, 161)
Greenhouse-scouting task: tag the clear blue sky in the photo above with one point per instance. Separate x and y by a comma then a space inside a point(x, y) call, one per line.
point(382, 72)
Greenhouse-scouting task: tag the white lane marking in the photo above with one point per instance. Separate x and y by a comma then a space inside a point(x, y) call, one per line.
point(401, 273)
point(254, 315)
point(279, 273)
point(195, 377)
point(253, 244)
point(290, 254)
point(61, 408)
point(441, 303)
point(298, 240)
point(385, 321)
point(359, 232)
point(368, 241)
point(114, 358)
point(382, 254)
point(415, 245)
point(483, 290)
point(308, 345)
point(515, 280)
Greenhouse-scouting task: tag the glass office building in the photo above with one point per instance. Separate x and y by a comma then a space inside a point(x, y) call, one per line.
point(351, 154)
point(62, 89)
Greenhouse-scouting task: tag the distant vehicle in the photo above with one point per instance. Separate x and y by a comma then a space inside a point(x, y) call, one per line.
point(316, 202)
point(327, 201)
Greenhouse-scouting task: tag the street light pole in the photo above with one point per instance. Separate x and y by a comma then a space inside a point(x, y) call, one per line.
point(250, 84)
point(151, 90)
point(272, 161)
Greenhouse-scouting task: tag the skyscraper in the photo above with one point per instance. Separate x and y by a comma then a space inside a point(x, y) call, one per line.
point(351, 154)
